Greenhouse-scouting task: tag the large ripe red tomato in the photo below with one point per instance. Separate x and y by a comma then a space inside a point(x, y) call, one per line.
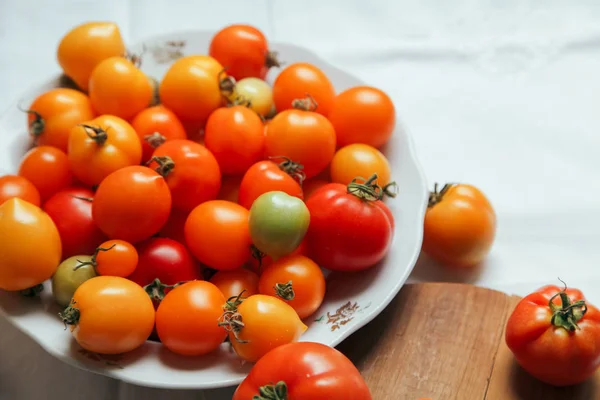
point(555, 336)
point(304, 370)
point(48, 169)
point(267, 176)
point(154, 126)
point(71, 211)
point(350, 227)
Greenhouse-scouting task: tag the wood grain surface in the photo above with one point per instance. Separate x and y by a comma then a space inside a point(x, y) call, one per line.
point(444, 341)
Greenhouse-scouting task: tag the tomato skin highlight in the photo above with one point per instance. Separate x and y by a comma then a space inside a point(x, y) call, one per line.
point(12, 186)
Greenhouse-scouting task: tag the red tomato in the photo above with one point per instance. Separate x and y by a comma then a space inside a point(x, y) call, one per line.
point(17, 186)
point(304, 370)
point(266, 176)
point(555, 336)
point(243, 50)
point(154, 126)
point(350, 227)
point(48, 169)
point(190, 170)
point(236, 282)
point(299, 79)
point(312, 185)
point(71, 211)
point(132, 204)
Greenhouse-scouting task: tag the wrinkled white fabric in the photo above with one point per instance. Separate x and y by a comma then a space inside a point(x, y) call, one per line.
point(500, 94)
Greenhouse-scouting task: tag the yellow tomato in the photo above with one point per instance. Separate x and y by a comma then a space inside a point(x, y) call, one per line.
point(253, 93)
point(359, 160)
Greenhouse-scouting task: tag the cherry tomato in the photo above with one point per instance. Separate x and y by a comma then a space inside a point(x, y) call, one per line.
point(363, 115)
point(190, 170)
point(191, 87)
point(31, 246)
point(460, 226)
point(350, 227)
point(298, 281)
point(267, 176)
point(235, 135)
point(299, 79)
point(217, 234)
point(267, 323)
point(119, 88)
point(230, 188)
point(71, 211)
point(555, 336)
point(304, 370)
point(359, 160)
point(17, 186)
point(186, 320)
point(54, 113)
point(102, 146)
point(110, 315)
point(115, 258)
point(243, 50)
point(310, 186)
point(71, 273)
point(306, 137)
point(235, 282)
point(154, 126)
point(85, 46)
point(253, 93)
point(48, 169)
point(132, 204)
point(174, 227)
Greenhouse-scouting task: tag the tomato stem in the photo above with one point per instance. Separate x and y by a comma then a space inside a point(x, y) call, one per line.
point(272, 392)
point(33, 291)
point(272, 59)
point(231, 319)
point(155, 92)
point(93, 262)
point(70, 315)
point(293, 169)
point(156, 289)
point(136, 58)
point(257, 255)
point(36, 127)
point(226, 83)
point(566, 315)
point(285, 290)
point(155, 139)
point(99, 135)
point(88, 199)
point(369, 190)
point(437, 195)
point(165, 165)
point(390, 190)
point(307, 104)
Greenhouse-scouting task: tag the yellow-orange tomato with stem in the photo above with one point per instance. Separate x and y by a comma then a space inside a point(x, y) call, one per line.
point(253, 93)
point(48, 169)
point(460, 226)
point(110, 315)
point(156, 125)
point(17, 186)
point(114, 258)
point(235, 282)
point(85, 46)
point(361, 160)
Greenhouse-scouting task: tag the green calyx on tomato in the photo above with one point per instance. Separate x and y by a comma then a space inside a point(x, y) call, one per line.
point(32, 291)
point(231, 319)
point(567, 315)
point(36, 127)
point(156, 289)
point(437, 195)
point(277, 391)
point(369, 190)
point(285, 291)
point(293, 169)
point(70, 315)
point(155, 139)
point(306, 104)
point(165, 165)
point(99, 135)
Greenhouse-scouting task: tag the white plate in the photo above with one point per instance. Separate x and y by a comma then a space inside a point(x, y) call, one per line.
point(352, 300)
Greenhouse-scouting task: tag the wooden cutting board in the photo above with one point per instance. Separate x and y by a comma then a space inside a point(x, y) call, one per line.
point(443, 341)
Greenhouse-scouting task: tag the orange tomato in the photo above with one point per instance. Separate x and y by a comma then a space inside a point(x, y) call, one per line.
point(115, 258)
point(110, 315)
point(299, 79)
point(48, 169)
point(17, 186)
point(230, 188)
point(102, 146)
point(31, 248)
point(217, 234)
point(85, 46)
point(460, 226)
point(191, 87)
point(266, 176)
point(297, 280)
point(119, 88)
point(233, 283)
point(359, 160)
point(154, 126)
point(54, 113)
point(363, 115)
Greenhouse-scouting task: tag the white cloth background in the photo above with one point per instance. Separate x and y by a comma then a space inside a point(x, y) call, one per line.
point(501, 94)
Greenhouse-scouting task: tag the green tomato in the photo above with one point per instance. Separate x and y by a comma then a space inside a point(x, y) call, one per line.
point(278, 223)
point(67, 279)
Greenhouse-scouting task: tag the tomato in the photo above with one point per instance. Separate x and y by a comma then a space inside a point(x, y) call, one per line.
point(350, 227)
point(30, 245)
point(190, 170)
point(154, 126)
point(114, 258)
point(132, 204)
point(363, 114)
point(253, 93)
point(54, 113)
point(267, 176)
point(278, 223)
point(48, 169)
point(460, 226)
point(555, 335)
point(259, 324)
point(359, 160)
point(102, 146)
point(312, 185)
point(230, 188)
point(17, 186)
point(306, 137)
point(186, 320)
point(71, 211)
point(299, 79)
point(110, 315)
point(191, 87)
point(243, 50)
point(297, 280)
point(85, 46)
point(174, 227)
point(235, 135)
point(119, 88)
point(258, 260)
point(69, 276)
point(304, 370)
point(217, 234)
point(235, 282)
